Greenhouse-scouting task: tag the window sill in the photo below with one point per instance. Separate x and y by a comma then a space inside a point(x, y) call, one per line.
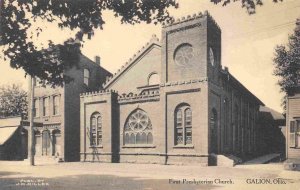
point(139, 146)
point(56, 115)
point(98, 146)
point(184, 146)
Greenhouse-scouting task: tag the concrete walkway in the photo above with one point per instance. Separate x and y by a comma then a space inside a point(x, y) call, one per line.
point(262, 159)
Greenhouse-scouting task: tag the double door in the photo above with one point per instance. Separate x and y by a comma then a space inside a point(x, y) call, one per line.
point(46, 144)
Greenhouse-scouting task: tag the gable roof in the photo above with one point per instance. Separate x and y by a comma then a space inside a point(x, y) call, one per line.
point(93, 62)
point(154, 42)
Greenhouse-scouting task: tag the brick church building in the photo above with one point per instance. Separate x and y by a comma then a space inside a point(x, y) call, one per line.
point(173, 102)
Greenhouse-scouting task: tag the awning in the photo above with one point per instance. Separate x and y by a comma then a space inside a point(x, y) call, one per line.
point(8, 127)
point(6, 133)
point(10, 121)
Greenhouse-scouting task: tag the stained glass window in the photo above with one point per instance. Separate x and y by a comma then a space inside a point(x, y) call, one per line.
point(96, 130)
point(138, 128)
point(184, 54)
point(183, 125)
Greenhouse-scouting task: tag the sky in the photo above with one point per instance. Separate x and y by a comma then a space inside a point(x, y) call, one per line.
point(248, 42)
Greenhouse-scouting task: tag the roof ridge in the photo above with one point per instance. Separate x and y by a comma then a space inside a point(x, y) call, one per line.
point(154, 40)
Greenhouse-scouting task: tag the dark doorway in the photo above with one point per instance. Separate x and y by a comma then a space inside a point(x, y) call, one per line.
point(214, 132)
point(24, 142)
point(56, 144)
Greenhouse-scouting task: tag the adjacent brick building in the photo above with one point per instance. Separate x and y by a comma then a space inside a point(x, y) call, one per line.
point(57, 109)
point(173, 102)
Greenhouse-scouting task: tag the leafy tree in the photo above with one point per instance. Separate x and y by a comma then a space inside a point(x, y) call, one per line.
point(287, 63)
point(250, 5)
point(83, 16)
point(13, 100)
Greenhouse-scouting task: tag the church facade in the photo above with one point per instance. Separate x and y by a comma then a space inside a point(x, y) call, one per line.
point(172, 103)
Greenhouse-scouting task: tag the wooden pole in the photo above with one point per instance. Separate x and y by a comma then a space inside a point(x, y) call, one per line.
point(31, 131)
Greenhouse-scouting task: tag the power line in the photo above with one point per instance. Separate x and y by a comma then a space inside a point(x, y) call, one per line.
point(279, 26)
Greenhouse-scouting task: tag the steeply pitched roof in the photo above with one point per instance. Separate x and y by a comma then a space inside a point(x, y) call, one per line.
point(153, 42)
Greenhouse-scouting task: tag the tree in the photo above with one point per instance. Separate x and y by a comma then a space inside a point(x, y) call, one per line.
point(287, 63)
point(13, 100)
point(250, 5)
point(82, 16)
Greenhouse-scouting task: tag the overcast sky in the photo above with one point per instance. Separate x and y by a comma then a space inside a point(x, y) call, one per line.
point(247, 42)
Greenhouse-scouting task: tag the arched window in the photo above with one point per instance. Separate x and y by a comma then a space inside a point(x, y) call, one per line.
point(153, 79)
point(149, 138)
point(96, 130)
point(183, 125)
point(86, 76)
point(139, 128)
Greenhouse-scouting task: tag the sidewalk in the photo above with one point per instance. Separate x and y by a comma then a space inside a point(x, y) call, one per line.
point(77, 174)
point(262, 159)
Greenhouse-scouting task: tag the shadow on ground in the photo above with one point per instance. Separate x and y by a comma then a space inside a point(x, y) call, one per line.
point(3, 174)
point(98, 182)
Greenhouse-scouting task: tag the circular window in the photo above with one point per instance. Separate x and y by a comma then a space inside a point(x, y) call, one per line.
point(184, 55)
point(138, 121)
point(138, 128)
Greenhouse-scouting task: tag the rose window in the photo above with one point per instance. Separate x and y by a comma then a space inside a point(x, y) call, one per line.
point(138, 128)
point(184, 55)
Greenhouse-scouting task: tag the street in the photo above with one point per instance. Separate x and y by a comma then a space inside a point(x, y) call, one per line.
point(96, 176)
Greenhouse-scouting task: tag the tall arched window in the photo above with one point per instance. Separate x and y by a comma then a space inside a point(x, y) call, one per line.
point(153, 79)
point(96, 129)
point(183, 125)
point(138, 128)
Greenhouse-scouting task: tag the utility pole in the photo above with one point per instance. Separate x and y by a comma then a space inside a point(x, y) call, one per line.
point(31, 131)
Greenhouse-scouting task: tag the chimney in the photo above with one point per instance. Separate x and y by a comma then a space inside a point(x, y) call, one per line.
point(97, 60)
point(298, 25)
